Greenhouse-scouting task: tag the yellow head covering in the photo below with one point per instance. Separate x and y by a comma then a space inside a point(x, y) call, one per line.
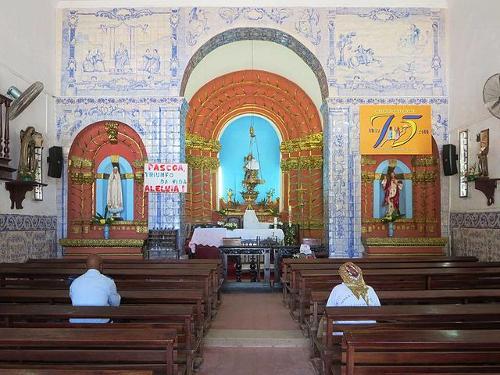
point(352, 276)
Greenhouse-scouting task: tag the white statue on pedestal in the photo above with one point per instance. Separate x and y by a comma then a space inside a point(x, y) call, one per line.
point(115, 197)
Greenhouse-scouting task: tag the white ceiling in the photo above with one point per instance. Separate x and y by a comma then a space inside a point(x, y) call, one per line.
point(237, 56)
point(254, 3)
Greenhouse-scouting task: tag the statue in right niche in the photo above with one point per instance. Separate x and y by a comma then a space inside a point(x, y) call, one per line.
point(392, 187)
point(484, 145)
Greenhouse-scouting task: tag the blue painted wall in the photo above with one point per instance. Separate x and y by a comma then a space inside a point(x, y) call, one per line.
point(234, 141)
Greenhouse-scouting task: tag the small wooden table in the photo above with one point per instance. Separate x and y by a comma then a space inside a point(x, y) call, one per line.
point(249, 250)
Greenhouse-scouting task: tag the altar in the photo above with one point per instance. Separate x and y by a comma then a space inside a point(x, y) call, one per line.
point(215, 236)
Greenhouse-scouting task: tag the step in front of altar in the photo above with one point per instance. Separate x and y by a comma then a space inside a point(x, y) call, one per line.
point(110, 249)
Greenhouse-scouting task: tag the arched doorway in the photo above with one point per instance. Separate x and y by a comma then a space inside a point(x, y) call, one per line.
point(297, 120)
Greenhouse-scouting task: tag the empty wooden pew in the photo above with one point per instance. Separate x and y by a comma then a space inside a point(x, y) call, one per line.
point(420, 351)
point(127, 349)
point(178, 317)
point(394, 317)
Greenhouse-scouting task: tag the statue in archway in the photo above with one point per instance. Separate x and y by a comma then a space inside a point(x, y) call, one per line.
point(392, 187)
point(114, 199)
point(30, 139)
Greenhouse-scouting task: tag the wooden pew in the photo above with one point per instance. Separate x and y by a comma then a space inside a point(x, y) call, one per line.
point(399, 279)
point(128, 297)
point(178, 317)
point(332, 268)
point(53, 371)
point(12, 275)
point(420, 351)
point(413, 317)
point(290, 262)
point(409, 297)
point(127, 349)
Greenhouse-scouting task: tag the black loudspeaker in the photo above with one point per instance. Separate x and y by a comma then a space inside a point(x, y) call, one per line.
point(449, 160)
point(55, 161)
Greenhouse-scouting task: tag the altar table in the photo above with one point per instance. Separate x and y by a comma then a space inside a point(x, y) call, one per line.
point(214, 236)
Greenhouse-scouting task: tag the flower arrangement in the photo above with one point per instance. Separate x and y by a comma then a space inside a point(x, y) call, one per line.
point(102, 220)
point(230, 226)
point(392, 218)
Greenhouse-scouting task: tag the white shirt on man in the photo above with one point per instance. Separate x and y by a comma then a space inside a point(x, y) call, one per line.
point(342, 296)
point(93, 289)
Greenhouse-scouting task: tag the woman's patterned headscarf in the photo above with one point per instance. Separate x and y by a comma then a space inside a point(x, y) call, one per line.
point(352, 276)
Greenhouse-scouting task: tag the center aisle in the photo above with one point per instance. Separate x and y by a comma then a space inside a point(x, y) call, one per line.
point(254, 333)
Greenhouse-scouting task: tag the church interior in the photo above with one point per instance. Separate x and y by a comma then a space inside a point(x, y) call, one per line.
point(224, 160)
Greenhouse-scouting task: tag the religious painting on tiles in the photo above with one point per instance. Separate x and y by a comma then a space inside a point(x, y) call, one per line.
point(105, 177)
point(120, 49)
point(395, 130)
point(387, 50)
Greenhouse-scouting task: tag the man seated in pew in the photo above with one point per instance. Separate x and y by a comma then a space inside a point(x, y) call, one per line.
point(352, 292)
point(93, 289)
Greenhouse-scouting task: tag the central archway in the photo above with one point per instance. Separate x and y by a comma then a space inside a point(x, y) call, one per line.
point(287, 106)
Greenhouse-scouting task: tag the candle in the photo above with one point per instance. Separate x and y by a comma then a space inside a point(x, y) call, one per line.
point(289, 214)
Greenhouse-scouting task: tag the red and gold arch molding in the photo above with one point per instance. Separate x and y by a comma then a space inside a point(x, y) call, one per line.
point(90, 147)
point(298, 121)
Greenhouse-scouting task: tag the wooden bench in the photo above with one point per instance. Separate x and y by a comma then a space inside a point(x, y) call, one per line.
point(127, 349)
point(420, 351)
point(139, 317)
point(290, 263)
point(128, 297)
point(14, 276)
point(397, 317)
point(409, 297)
point(53, 371)
point(398, 279)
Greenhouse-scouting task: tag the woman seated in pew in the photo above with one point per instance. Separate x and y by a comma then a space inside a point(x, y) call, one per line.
point(352, 292)
point(93, 289)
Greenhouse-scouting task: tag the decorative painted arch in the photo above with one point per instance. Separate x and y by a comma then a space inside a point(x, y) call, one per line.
point(252, 91)
point(95, 143)
point(263, 34)
point(283, 103)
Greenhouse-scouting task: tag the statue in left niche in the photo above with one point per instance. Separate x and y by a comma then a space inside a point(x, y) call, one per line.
point(30, 140)
point(114, 199)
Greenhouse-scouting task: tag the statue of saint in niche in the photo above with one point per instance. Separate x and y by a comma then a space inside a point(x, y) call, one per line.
point(114, 199)
point(484, 145)
point(30, 139)
point(392, 187)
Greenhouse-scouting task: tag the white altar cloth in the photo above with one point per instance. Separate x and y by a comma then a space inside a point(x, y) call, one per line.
point(214, 236)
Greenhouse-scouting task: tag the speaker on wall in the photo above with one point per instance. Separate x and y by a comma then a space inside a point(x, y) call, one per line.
point(449, 160)
point(55, 161)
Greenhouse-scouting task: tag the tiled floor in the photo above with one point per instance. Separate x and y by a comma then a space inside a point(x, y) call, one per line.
point(253, 311)
point(256, 361)
point(254, 334)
